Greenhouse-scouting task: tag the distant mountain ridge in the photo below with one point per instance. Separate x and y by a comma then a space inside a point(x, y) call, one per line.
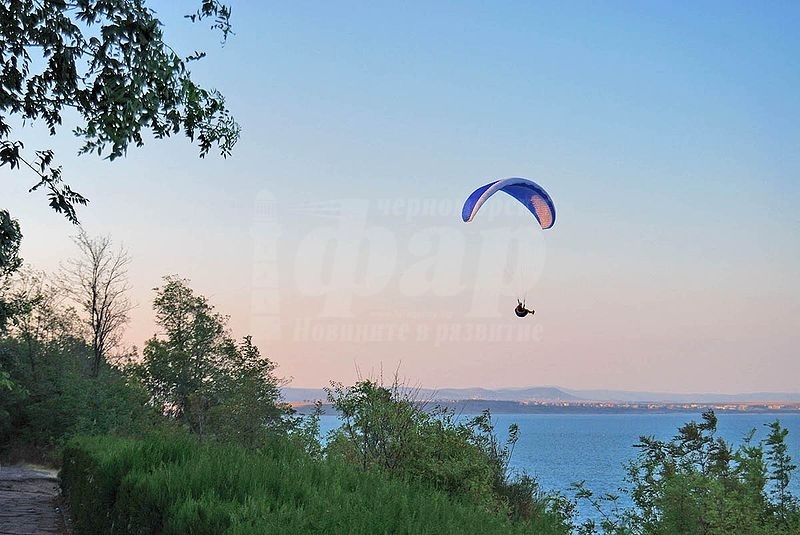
point(559, 394)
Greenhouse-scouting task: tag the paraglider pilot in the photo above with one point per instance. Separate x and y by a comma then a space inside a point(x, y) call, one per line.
point(521, 311)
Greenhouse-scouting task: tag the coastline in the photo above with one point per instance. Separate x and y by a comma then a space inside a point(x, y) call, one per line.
point(585, 407)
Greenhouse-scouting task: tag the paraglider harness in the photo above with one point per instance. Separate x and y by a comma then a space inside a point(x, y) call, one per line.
point(521, 311)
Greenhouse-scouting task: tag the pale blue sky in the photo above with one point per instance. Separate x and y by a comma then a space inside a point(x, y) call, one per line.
point(668, 135)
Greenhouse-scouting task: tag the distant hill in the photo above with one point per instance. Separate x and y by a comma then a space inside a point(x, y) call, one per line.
point(533, 393)
point(554, 393)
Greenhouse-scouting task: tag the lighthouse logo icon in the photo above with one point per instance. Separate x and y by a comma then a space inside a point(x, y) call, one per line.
point(265, 319)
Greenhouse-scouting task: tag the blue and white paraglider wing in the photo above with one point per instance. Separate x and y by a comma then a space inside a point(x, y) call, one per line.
point(529, 193)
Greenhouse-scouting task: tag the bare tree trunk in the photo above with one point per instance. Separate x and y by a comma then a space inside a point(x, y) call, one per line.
point(97, 281)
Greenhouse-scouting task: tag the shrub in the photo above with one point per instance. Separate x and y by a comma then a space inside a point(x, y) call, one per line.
point(698, 484)
point(387, 429)
point(173, 485)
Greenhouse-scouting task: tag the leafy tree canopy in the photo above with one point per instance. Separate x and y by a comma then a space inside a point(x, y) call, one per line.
point(197, 374)
point(106, 60)
point(10, 237)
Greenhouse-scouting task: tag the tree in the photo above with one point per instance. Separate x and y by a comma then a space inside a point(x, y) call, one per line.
point(198, 375)
point(247, 395)
point(47, 392)
point(785, 504)
point(10, 238)
point(39, 318)
point(176, 366)
point(699, 484)
point(97, 281)
point(106, 60)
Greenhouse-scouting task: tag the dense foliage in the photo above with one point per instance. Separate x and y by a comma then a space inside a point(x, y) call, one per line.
point(10, 238)
point(108, 64)
point(698, 484)
point(198, 375)
point(388, 429)
point(53, 394)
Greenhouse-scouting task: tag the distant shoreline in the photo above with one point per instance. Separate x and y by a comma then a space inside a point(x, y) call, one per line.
point(587, 407)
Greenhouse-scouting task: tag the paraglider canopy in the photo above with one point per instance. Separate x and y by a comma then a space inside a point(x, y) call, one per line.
point(528, 192)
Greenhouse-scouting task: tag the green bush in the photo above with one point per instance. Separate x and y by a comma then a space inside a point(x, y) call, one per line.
point(385, 428)
point(174, 485)
point(53, 398)
point(698, 484)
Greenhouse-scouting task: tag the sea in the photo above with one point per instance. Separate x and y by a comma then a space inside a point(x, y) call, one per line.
point(561, 449)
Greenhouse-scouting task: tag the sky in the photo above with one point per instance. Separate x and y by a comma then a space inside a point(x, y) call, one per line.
point(667, 134)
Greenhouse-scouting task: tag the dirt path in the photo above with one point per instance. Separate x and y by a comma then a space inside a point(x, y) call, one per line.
point(30, 503)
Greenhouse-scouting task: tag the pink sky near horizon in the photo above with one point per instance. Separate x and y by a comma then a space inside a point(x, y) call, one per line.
point(611, 326)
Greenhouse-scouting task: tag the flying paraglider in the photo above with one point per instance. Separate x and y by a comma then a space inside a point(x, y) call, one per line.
point(527, 192)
